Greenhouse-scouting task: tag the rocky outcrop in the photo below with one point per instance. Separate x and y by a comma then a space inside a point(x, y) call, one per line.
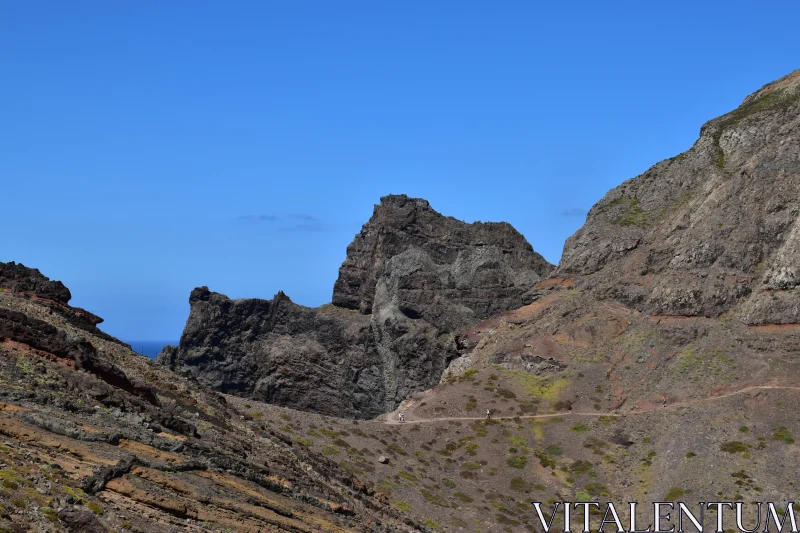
point(711, 231)
point(16, 278)
point(412, 279)
point(29, 281)
point(436, 266)
point(279, 351)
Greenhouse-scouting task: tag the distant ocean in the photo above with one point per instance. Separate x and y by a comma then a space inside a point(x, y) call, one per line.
point(150, 348)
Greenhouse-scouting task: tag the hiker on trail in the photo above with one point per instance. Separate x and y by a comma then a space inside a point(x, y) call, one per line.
point(402, 417)
point(488, 413)
point(665, 400)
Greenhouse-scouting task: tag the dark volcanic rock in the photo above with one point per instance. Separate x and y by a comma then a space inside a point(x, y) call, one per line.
point(19, 278)
point(710, 229)
point(80, 520)
point(412, 278)
point(437, 267)
point(279, 351)
point(30, 283)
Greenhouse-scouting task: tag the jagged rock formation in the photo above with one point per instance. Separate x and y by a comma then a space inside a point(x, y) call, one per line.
point(29, 281)
point(18, 279)
point(430, 262)
point(411, 279)
point(710, 230)
point(98, 438)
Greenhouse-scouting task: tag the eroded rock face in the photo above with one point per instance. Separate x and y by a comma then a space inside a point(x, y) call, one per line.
point(16, 277)
point(412, 279)
point(711, 229)
point(435, 265)
point(279, 351)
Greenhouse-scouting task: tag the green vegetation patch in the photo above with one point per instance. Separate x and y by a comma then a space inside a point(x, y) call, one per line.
point(517, 462)
point(479, 427)
point(403, 506)
point(76, 493)
point(782, 433)
point(49, 513)
point(624, 211)
point(699, 365)
point(431, 524)
point(580, 467)
point(607, 420)
point(463, 497)
point(544, 459)
point(734, 446)
point(434, 498)
point(522, 442)
point(519, 485)
point(505, 393)
point(471, 404)
point(554, 449)
point(543, 388)
point(674, 494)
point(397, 449)
point(407, 476)
point(596, 489)
point(330, 450)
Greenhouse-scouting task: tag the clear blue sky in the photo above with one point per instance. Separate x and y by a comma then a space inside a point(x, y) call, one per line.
point(149, 147)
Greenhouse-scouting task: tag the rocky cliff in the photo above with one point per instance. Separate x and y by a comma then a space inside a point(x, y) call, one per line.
point(411, 279)
point(710, 231)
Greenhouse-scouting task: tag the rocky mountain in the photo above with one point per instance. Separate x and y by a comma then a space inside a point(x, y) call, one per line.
point(96, 438)
point(656, 363)
point(711, 231)
point(411, 280)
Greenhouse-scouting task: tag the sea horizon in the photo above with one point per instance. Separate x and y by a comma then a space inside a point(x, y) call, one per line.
point(150, 348)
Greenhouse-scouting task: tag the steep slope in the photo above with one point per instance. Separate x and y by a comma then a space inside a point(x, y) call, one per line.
point(689, 268)
point(411, 279)
point(97, 438)
point(710, 231)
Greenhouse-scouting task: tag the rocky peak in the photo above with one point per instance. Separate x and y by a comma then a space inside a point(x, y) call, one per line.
point(416, 276)
point(403, 226)
point(17, 278)
point(710, 229)
point(29, 283)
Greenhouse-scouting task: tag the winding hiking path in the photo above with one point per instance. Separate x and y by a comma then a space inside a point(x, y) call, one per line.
point(394, 419)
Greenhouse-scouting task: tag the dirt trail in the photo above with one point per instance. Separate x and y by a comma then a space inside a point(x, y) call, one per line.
point(394, 419)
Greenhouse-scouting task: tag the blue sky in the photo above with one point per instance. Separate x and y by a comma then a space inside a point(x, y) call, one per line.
point(151, 147)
